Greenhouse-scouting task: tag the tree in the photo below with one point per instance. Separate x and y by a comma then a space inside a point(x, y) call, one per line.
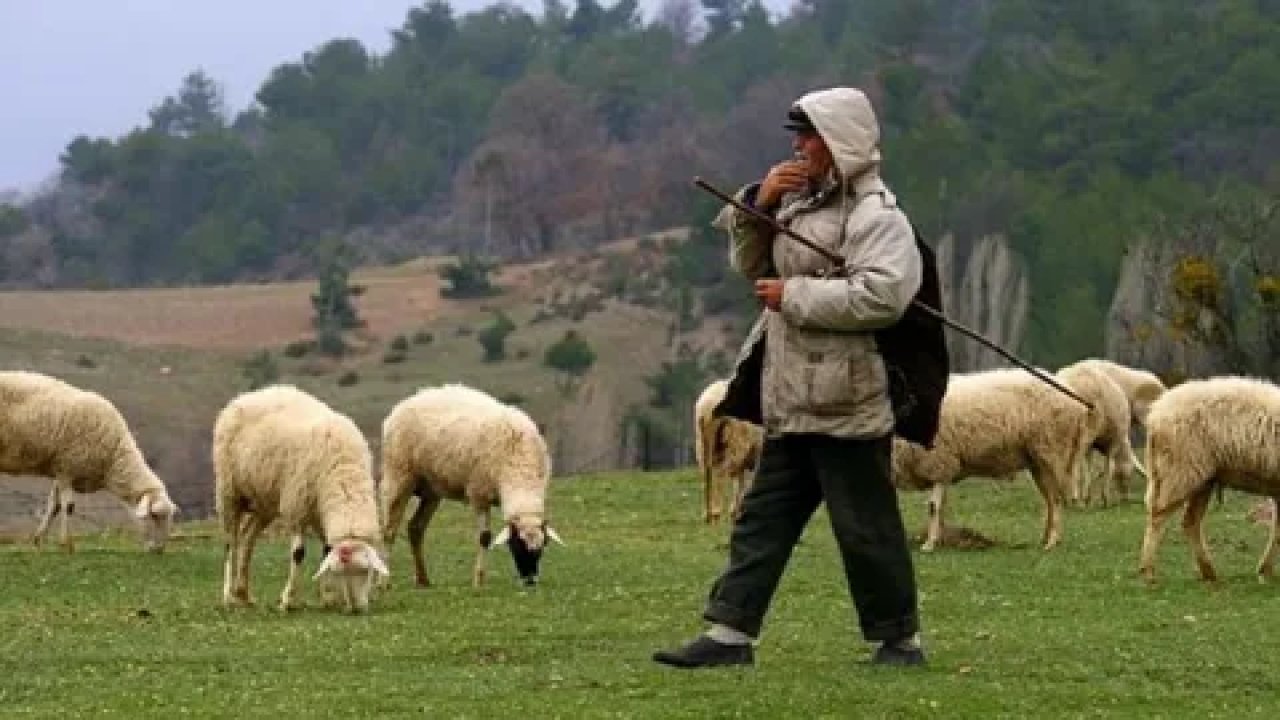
point(468, 277)
point(13, 220)
point(334, 310)
point(199, 107)
point(493, 338)
point(572, 357)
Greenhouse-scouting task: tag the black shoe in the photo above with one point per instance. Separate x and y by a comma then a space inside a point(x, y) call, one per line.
point(703, 652)
point(898, 655)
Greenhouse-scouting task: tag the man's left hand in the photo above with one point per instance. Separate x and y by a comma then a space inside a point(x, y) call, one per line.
point(770, 293)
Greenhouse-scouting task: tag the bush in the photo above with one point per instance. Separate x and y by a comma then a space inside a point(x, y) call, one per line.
point(493, 339)
point(422, 337)
point(512, 398)
point(400, 343)
point(298, 348)
point(392, 356)
point(348, 378)
point(468, 278)
point(260, 369)
point(85, 361)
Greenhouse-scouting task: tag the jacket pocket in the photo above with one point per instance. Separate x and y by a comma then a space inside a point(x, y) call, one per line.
point(842, 380)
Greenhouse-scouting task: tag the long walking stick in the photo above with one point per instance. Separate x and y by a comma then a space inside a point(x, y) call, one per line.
point(840, 269)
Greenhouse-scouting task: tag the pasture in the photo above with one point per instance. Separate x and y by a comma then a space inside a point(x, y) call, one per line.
point(1011, 631)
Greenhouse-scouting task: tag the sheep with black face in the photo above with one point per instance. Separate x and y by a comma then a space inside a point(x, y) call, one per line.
point(457, 443)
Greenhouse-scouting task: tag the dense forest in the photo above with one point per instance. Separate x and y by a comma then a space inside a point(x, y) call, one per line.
point(1110, 170)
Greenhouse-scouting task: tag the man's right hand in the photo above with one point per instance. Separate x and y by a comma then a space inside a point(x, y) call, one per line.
point(785, 177)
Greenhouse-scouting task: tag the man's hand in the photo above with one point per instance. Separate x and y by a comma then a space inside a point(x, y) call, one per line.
point(770, 293)
point(785, 177)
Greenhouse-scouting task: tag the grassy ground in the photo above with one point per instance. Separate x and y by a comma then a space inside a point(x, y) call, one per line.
point(1012, 631)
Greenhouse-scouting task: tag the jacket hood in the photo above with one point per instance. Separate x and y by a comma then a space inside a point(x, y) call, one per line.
point(847, 123)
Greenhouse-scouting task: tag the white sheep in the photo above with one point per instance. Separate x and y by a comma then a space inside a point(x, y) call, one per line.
point(1204, 435)
point(727, 451)
point(993, 424)
point(453, 442)
point(1140, 387)
point(281, 453)
point(1108, 429)
point(77, 437)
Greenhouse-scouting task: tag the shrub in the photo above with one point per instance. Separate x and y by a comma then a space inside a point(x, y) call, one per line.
point(400, 343)
point(422, 337)
point(493, 339)
point(298, 348)
point(348, 378)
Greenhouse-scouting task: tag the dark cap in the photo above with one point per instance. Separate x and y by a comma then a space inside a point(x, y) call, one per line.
point(798, 120)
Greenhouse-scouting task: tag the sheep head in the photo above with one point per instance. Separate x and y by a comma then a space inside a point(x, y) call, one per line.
point(349, 570)
point(526, 536)
point(155, 513)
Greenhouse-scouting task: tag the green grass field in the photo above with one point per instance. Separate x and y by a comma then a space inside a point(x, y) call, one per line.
point(1011, 631)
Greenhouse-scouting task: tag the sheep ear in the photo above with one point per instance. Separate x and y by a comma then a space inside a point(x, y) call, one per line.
point(503, 536)
point(144, 508)
point(376, 563)
point(555, 536)
point(325, 566)
point(164, 506)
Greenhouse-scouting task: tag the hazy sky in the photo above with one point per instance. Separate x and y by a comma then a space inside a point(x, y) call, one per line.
point(94, 67)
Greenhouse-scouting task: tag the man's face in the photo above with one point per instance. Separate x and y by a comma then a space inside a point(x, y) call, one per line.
point(809, 145)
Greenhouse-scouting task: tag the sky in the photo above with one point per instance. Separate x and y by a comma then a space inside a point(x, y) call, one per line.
point(94, 67)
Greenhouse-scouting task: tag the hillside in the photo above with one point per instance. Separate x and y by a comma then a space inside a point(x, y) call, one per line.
point(171, 358)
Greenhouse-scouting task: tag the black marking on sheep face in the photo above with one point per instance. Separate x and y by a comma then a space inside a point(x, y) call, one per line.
point(486, 539)
point(526, 558)
point(299, 554)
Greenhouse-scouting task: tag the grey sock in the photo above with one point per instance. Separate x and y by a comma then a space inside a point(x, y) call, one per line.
point(726, 635)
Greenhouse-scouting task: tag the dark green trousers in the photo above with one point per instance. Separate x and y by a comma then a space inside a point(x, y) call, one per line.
point(796, 473)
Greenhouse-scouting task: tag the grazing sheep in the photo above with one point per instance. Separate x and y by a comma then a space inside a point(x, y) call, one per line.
point(993, 424)
point(726, 450)
point(1205, 435)
point(1140, 387)
point(456, 443)
point(1107, 431)
point(281, 453)
point(77, 437)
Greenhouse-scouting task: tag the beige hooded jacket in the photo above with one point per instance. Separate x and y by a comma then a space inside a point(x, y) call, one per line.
point(822, 372)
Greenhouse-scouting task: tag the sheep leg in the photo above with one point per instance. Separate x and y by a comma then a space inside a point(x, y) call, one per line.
point(1266, 564)
point(937, 504)
point(416, 531)
point(67, 499)
point(397, 489)
point(739, 492)
point(1108, 474)
point(231, 520)
point(1193, 527)
point(248, 538)
point(485, 537)
point(713, 491)
point(51, 508)
point(1151, 541)
point(297, 552)
point(1082, 484)
point(1049, 485)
